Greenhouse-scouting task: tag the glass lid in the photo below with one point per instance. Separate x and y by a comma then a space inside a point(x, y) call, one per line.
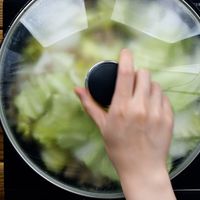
point(47, 53)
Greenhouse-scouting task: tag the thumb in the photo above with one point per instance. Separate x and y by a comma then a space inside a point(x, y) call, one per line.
point(91, 107)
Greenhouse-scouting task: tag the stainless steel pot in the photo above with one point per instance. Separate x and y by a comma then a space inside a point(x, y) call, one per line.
point(48, 51)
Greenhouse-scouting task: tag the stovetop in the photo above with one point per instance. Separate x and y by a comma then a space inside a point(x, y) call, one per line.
point(21, 182)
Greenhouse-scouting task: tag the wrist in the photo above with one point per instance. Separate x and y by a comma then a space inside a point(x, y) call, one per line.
point(149, 185)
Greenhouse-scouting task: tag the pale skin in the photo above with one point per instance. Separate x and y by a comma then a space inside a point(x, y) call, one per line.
point(137, 131)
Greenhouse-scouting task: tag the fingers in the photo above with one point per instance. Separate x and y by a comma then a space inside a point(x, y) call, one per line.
point(94, 110)
point(142, 86)
point(156, 95)
point(167, 108)
point(160, 102)
point(125, 78)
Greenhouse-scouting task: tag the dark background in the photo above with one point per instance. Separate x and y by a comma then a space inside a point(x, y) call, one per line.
point(22, 183)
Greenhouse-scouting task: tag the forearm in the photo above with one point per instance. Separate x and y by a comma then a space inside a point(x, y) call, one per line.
point(151, 187)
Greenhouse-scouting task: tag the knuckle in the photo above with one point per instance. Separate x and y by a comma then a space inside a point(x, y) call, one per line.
point(166, 101)
point(126, 71)
point(169, 120)
point(156, 117)
point(144, 72)
point(140, 113)
point(168, 106)
point(119, 111)
point(156, 86)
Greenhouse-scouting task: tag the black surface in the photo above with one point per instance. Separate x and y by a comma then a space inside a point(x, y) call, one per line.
point(189, 178)
point(21, 182)
point(188, 195)
point(10, 10)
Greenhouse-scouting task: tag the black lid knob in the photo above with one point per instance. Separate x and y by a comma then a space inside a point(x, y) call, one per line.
point(101, 81)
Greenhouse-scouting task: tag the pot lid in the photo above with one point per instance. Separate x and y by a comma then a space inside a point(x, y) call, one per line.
point(49, 50)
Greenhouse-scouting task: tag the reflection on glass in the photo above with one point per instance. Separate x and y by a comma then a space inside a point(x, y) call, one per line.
point(51, 21)
point(167, 20)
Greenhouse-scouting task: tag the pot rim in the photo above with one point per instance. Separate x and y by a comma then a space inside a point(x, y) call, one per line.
point(42, 173)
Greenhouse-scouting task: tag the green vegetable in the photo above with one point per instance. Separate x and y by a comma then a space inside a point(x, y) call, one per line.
point(55, 159)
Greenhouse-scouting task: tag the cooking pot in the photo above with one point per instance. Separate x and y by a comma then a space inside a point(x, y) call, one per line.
point(49, 50)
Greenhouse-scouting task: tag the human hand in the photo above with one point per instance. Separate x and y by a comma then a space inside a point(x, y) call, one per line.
point(137, 129)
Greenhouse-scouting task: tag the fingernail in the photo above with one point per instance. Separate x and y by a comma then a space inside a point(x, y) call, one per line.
point(126, 51)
